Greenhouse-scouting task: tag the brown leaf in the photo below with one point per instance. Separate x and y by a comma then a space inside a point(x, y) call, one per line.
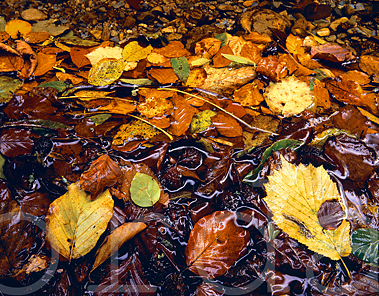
point(45, 63)
point(215, 244)
point(4, 36)
point(207, 47)
point(331, 52)
point(16, 142)
point(369, 64)
point(182, 116)
point(78, 55)
point(163, 76)
point(36, 37)
point(218, 60)
point(162, 122)
point(9, 49)
point(67, 76)
point(249, 94)
point(272, 68)
point(252, 51)
point(321, 94)
point(227, 125)
point(257, 38)
point(358, 76)
point(103, 172)
point(175, 49)
point(26, 51)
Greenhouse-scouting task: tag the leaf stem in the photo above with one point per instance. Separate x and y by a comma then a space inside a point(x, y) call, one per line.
point(347, 270)
point(158, 128)
point(222, 109)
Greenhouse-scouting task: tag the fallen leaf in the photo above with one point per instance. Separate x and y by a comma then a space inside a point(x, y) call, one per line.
point(107, 52)
point(14, 27)
point(249, 94)
point(226, 125)
point(252, 52)
point(216, 242)
point(295, 195)
point(103, 172)
point(238, 59)
point(219, 60)
point(133, 52)
point(272, 68)
point(115, 240)
point(36, 37)
point(37, 263)
point(181, 68)
point(79, 57)
point(8, 86)
point(16, 142)
point(4, 36)
point(49, 27)
point(45, 63)
point(182, 116)
point(358, 76)
point(144, 190)
point(369, 64)
point(196, 77)
point(154, 106)
point(365, 245)
point(133, 131)
point(75, 223)
point(175, 49)
point(163, 76)
point(27, 52)
point(257, 38)
point(331, 52)
point(321, 94)
point(119, 106)
point(294, 45)
point(106, 72)
point(88, 95)
point(158, 59)
point(67, 76)
point(201, 121)
point(207, 47)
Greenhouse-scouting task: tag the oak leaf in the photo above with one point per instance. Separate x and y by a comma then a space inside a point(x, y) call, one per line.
point(75, 223)
point(295, 195)
point(103, 172)
point(216, 242)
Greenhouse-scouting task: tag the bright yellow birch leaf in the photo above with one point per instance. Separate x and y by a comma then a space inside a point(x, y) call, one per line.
point(75, 223)
point(132, 52)
point(294, 195)
point(106, 71)
point(115, 240)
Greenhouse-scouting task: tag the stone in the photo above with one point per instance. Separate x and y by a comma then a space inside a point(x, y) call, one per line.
point(225, 7)
point(334, 25)
point(323, 32)
point(322, 23)
point(248, 3)
point(33, 14)
point(331, 38)
point(129, 22)
point(353, 20)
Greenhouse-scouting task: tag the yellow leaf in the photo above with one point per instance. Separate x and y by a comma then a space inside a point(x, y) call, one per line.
point(106, 71)
point(75, 223)
point(294, 195)
point(88, 95)
point(134, 130)
point(13, 27)
point(133, 52)
point(104, 52)
point(115, 240)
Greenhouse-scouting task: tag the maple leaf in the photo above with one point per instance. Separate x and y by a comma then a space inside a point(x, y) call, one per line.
point(295, 195)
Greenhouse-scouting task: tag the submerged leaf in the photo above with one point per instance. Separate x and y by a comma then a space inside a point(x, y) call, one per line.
point(75, 223)
point(144, 190)
point(8, 87)
point(365, 245)
point(295, 195)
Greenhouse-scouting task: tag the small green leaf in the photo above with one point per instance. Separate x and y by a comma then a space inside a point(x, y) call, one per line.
point(238, 59)
point(106, 71)
point(144, 190)
point(365, 245)
point(2, 161)
point(8, 86)
point(223, 38)
point(281, 144)
point(181, 68)
point(100, 118)
point(201, 121)
point(272, 232)
point(59, 85)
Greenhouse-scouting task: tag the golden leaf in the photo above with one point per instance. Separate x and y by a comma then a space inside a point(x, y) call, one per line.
point(133, 52)
point(106, 71)
point(75, 223)
point(295, 195)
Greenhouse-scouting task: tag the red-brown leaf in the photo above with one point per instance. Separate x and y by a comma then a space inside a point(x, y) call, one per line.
point(227, 125)
point(182, 116)
point(15, 142)
point(215, 244)
point(103, 172)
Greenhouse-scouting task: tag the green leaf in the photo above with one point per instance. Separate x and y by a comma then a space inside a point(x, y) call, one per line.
point(181, 68)
point(8, 86)
point(321, 138)
point(100, 118)
point(144, 190)
point(59, 85)
point(365, 245)
point(137, 81)
point(2, 161)
point(106, 71)
point(223, 38)
point(281, 144)
point(238, 59)
point(201, 121)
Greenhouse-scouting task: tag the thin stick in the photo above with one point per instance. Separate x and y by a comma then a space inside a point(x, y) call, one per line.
point(158, 128)
point(222, 109)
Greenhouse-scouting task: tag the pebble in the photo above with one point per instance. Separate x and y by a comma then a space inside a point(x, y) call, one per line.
point(323, 32)
point(33, 14)
point(170, 29)
point(331, 38)
point(353, 20)
point(334, 25)
point(248, 3)
point(225, 7)
point(322, 23)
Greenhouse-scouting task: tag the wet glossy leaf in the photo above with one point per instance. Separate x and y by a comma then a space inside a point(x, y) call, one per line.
point(365, 245)
point(181, 68)
point(207, 47)
point(134, 130)
point(115, 240)
point(369, 64)
point(103, 172)
point(75, 223)
point(15, 142)
point(182, 116)
point(59, 85)
point(332, 52)
point(238, 59)
point(14, 27)
point(45, 63)
point(295, 195)
point(144, 190)
point(281, 144)
point(249, 94)
point(133, 52)
point(174, 49)
point(138, 81)
point(100, 118)
point(106, 72)
point(2, 161)
point(119, 106)
point(201, 121)
point(155, 104)
point(8, 86)
point(216, 242)
point(322, 137)
point(226, 125)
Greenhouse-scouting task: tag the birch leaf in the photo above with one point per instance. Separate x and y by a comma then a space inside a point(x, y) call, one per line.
point(295, 195)
point(75, 223)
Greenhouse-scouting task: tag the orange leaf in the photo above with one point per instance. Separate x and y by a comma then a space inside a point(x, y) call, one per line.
point(249, 94)
point(207, 48)
point(119, 106)
point(358, 76)
point(369, 64)
point(272, 68)
point(36, 37)
point(321, 94)
point(161, 122)
point(163, 76)
point(252, 52)
point(215, 244)
point(182, 116)
point(227, 125)
point(78, 55)
point(154, 105)
point(218, 60)
point(64, 76)
point(10, 63)
point(14, 27)
point(258, 38)
point(4, 36)
point(25, 50)
point(175, 49)
point(331, 52)
point(347, 91)
point(294, 44)
point(103, 172)
point(196, 77)
point(45, 63)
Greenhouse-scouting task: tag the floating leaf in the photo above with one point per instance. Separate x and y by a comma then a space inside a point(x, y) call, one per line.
point(8, 87)
point(100, 118)
point(181, 68)
point(281, 144)
point(144, 190)
point(182, 115)
point(216, 242)
point(227, 125)
point(138, 81)
point(106, 71)
point(115, 240)
point(59, 85)
point(201, 121)
point(295, 195)
point(322, 137)
point(134, 130)
point(2, 161)
point(365, 245)
point(238, 59)
point(75, 223)
point(132, 52)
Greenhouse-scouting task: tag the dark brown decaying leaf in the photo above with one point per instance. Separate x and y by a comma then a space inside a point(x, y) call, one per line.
point(215, 244)
point(15, 142)
point(103, 172)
